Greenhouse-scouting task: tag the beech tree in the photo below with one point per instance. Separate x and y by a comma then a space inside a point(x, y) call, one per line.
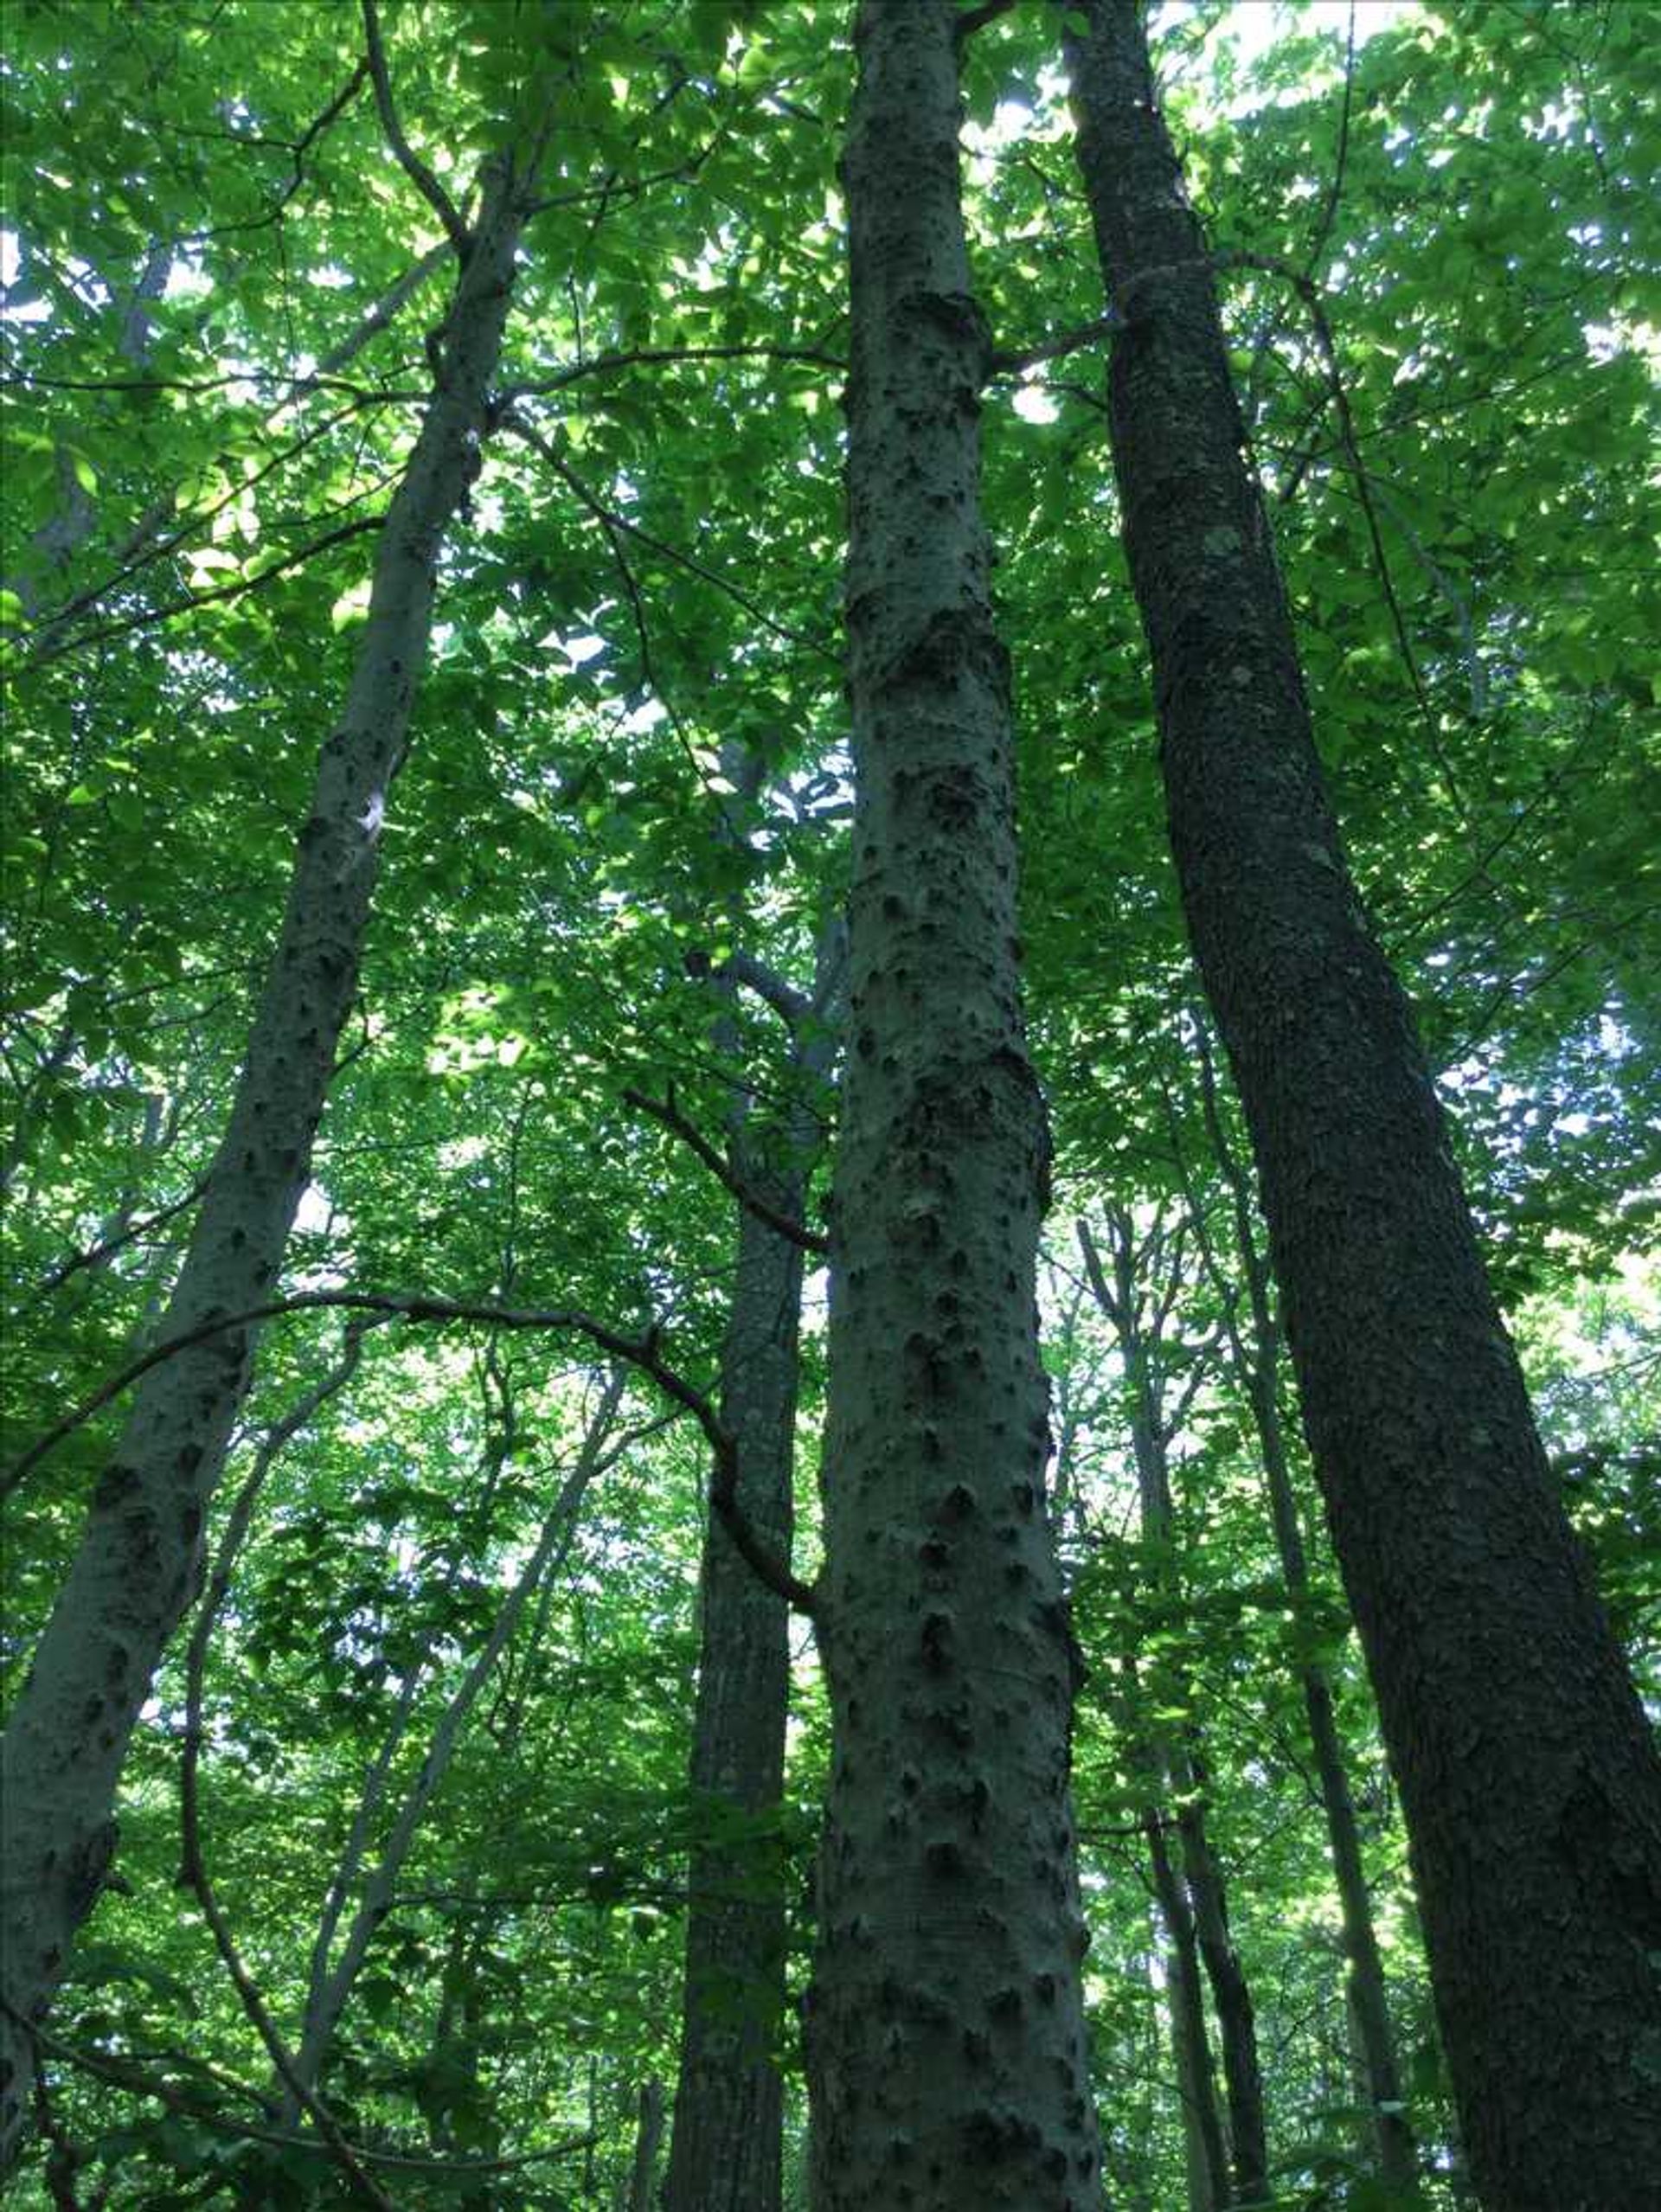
point(669, 1682)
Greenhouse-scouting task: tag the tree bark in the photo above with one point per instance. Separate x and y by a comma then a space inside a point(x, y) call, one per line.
point(726, 2143)
point(947, 2054)
point(140, 1555)
point(1204, 2153)
point(1531, 1788)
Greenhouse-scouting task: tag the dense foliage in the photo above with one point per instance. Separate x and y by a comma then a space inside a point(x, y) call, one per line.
point(1443, 281)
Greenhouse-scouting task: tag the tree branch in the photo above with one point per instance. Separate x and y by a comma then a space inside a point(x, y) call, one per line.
point(409, 160)
point(668, 1115)
point(193, 1865)
point(1086, 334)
point(639, 1352)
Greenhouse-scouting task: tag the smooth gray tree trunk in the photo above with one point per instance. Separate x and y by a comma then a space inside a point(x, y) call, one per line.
point(1528, 1775)
point(948, 2063)
point(140, 1556)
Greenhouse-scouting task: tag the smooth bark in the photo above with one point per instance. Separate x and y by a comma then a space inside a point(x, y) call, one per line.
point(947, 2053)
point(140, 1555)
point(1530, 1784)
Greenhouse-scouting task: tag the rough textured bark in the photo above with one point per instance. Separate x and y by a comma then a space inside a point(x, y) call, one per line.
point(140, 1555)
point(946, 2035)
point(1531, 1787)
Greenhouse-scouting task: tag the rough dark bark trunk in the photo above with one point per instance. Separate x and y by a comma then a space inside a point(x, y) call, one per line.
point(140, 1555)
point(946, 2042)
point(1531, 1786)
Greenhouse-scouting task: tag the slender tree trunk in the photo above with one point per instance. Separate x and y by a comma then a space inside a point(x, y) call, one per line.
point(1205, 2153)
point(1531, 1787)
point(140, 1555)
point(648, 2137)
point(336, 1966)
point(726, 2144)
point(1230, 1992)
point(1138, 1321)
point(948, 2061)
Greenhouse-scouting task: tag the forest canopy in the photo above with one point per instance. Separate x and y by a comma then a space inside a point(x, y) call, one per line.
point(699, 694)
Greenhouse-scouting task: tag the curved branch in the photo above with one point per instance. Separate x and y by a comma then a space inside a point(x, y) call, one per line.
point(641, 1352)
point(669, 1116)
point(409, 160)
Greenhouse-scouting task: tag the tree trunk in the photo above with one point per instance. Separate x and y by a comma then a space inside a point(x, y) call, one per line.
point(947, 2045)
point(648, 2135)
point(1531, 1788)
point(140, 1555)
point(1230, 1992)
point(1205, 2155)
point(1138, 1313)
point(725, 2147)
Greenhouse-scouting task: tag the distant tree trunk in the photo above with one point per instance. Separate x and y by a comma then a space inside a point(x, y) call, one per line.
point(1531, 1788)
point(1138, 1312)
point(726, 2140)
point(1204, 2152)
point(1230, 1992)
point(947, 2063)
point(648, 2137)
point(140, 1555)
point(1257, 1367)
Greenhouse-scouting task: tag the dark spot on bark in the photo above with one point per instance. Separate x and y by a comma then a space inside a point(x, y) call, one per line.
point(958, 1502)
point(1004, 2004)
point(943, 1859)
point(937, 1642)
point(115, 1486)
point(994, 2136)
point(1025, 1497)
point(934, 1552)
point(1045, 1987)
